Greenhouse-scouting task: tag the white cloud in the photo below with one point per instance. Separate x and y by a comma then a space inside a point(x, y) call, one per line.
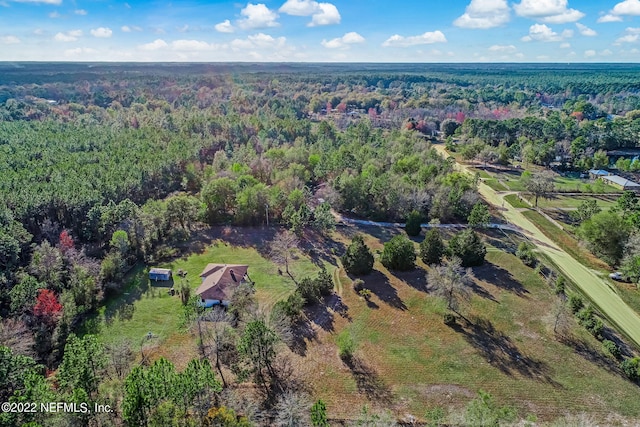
point(589, 53)
point(627, 7)
point(257, 16)
point(606, 52)
point(299, 7)
point(503, 48)
point(426, 38)
point(259, 41)
point(328, 15)
point(101, 32)
point(569, 15)
point(154, 45)
point(54, 15)
point(344, 41)
point(191, 45)
point(321, 13)
point(225, 27)
point(542, 33)
point(565, 45)
point(585, 31)
point(130, 28)
point(79, 51)
point(609, 18)
point(631, 35)
point(69, 36)
point(81, 12)
point(483, 14)
point(628, 38)
point(549, 11)
point(9, 40)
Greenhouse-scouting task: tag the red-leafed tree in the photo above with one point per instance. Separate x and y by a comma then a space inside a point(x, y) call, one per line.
point(342, 107)
point(47, 306)
point(66, 241)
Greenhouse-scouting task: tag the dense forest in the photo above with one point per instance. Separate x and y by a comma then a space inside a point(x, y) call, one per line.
point(103, 166)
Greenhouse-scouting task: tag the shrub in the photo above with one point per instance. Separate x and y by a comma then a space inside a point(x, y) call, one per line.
point(631, 368)
point(292, 306)
point(412, 226)
point(308, 289)
point(358, 259)
point(346, 345)
point(365, 293)
point(468, 246)
point(576, 303)
point(449, 319)
point(432, 247)
point(611, 348)
point(324, 282)
point(526, 255)
point(358, 285)
point(560, 285)
point(398, 254)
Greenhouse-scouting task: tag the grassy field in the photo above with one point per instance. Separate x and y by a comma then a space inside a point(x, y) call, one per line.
point(510, 181)
point(145, 306)
point(570, 202)
point(408, 360)
point(515, 201)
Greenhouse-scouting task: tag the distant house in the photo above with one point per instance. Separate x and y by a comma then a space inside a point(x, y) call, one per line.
point(160, 274)
point(621, 183)
point(614, 180)
point(218, 283)
point(597, 173)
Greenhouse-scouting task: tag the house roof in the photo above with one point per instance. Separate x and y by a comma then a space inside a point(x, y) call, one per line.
point(598, 172)
point(160, 271)
point(219, 280)
point(624, 182)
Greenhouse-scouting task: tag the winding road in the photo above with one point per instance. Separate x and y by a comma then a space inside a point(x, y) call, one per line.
point(593, 285)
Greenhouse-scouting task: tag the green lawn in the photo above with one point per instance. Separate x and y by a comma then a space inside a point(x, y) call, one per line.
point(495, 184)
point(146, 307)
point(515, 201)
point(569, 202)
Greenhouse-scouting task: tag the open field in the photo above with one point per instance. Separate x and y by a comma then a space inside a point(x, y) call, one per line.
point(408, 360)
point(509, 180)
point(145, 306)
point(593, 285)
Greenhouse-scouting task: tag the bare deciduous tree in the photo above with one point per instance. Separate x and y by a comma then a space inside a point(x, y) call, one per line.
point(283, 248)
point(452, 282)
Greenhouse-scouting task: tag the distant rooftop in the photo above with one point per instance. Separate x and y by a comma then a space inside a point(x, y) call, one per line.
point(624, 182)
point(598, 172)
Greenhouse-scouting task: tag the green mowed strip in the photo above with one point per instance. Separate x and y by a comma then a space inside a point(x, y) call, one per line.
point(515, 201)
point(145, 306)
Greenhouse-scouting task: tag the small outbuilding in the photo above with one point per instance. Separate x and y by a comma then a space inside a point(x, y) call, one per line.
point(162, 274)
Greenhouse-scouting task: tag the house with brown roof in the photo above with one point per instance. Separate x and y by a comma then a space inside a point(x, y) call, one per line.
point(219, 282)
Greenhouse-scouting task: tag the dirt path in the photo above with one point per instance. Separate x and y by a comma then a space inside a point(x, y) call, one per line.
point(590, 282)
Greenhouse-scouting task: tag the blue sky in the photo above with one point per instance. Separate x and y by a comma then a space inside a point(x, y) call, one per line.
point(309, 30)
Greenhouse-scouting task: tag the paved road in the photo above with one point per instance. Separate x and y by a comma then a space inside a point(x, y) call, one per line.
point(597, 288)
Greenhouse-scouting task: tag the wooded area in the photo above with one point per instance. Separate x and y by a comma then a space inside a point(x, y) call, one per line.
point(103, 166)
